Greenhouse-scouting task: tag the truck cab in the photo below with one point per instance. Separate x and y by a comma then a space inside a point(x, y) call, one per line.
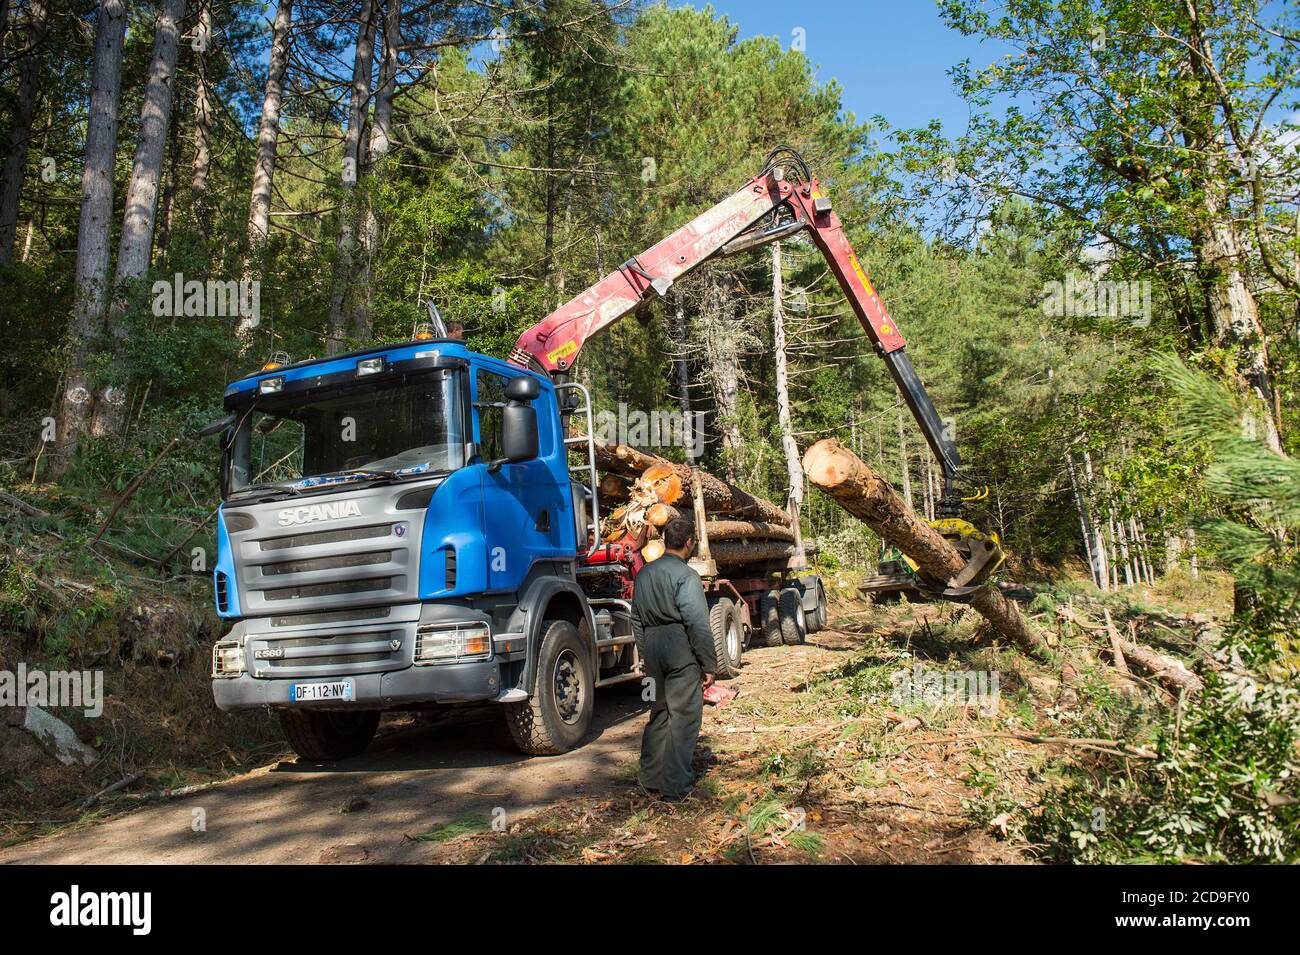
point(400, 529)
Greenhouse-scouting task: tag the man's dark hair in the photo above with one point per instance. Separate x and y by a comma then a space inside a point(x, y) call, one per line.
point(677, 532)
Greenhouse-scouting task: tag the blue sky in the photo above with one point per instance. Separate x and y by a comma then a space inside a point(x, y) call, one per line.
point(890, 58)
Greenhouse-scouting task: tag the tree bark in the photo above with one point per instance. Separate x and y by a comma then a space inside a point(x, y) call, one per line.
point(20, 134)
point(381, 138)
point(202, 105)
point(268, 134)
point(742, 530)
point(681, 341)
point(135, 246)
point(735, 552)
point(720, 497)
point(353, 161)
point(793, 469)
point(867, 496)
point(76, 403)
point(723, 355)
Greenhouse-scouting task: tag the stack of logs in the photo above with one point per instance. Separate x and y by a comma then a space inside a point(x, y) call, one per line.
point(641, 492)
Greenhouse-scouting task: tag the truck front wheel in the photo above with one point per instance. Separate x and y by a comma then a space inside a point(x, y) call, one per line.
point(557, 715)
point(329, 734)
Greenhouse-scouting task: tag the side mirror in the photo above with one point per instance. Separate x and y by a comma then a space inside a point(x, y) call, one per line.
point(518, 432)
point(216, 427)
point(523, 388)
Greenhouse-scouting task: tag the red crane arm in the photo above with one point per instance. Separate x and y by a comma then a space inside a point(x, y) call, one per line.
point(553, 343)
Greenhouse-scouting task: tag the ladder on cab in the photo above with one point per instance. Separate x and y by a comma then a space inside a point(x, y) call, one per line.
point(590, 487)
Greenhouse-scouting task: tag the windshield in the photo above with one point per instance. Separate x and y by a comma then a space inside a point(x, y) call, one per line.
point(360, 431)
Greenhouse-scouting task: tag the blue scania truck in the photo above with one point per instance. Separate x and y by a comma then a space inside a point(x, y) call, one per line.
point(416, 525)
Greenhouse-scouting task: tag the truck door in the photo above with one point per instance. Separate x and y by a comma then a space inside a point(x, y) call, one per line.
point(524, 515)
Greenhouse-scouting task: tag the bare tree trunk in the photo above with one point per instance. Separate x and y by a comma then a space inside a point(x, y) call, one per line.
point(20, 135)
point(1085, 519)
point(381, 137)
point(268, 134)
point(135, 246)
point(353, 161)
point(1099, 548)
point(681, 342)
point(167, 205)
point(867, 496)
point(1192, 560)
point(793, 469)
point(76, 403)
point(202, 104)
point(904, 462)
point(1234, 313)
point(721, 349)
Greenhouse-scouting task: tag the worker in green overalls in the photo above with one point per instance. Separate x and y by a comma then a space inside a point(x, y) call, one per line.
point(670, 619)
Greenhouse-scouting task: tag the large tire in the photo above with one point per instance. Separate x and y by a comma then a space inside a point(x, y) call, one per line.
point(820, 615)
point(329, 734)
point(769, 622)
point(791, 617)
point(728, 641)
point(557, 715)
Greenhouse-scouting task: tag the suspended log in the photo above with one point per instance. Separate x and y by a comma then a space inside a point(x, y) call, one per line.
point(719, 496)
point(738, 530)
point(867, 496)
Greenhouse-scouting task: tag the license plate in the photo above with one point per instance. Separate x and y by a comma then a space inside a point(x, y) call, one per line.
point(340, 691)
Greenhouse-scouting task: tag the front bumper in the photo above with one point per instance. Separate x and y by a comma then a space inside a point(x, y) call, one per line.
point(375, 651)
point(449, 683)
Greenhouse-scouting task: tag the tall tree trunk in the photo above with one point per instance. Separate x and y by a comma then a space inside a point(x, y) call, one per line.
point(1085, 519)
point(202, 106)
point(381, 138)
point(721, 348)
point(353, 160)
point(135, 246)
point(20, 134)
point(793, 467)
point(268, 134)
point(1234, 313)
point(76, 403)
point(904, 461)
point(1098, 535)
point(681, 343)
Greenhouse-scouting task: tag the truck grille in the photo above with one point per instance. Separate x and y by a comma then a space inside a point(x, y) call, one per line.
point(326, 571)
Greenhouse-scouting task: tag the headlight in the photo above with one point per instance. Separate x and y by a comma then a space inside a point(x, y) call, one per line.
point(459, 643)
point(227, 660)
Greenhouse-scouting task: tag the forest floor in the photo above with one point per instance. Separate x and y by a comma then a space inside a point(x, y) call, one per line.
point(828, 754)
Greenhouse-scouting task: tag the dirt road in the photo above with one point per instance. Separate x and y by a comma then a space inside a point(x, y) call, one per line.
point(455, 789)
point(457, 770)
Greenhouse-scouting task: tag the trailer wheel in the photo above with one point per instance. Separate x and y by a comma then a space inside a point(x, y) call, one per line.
point(820, 616)
point(329, 734)
point(557, 715)
point(728, 641)
point(790, 615)
point(769, 622)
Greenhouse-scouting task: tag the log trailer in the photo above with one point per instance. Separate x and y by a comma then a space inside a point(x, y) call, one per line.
point(402, 527)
